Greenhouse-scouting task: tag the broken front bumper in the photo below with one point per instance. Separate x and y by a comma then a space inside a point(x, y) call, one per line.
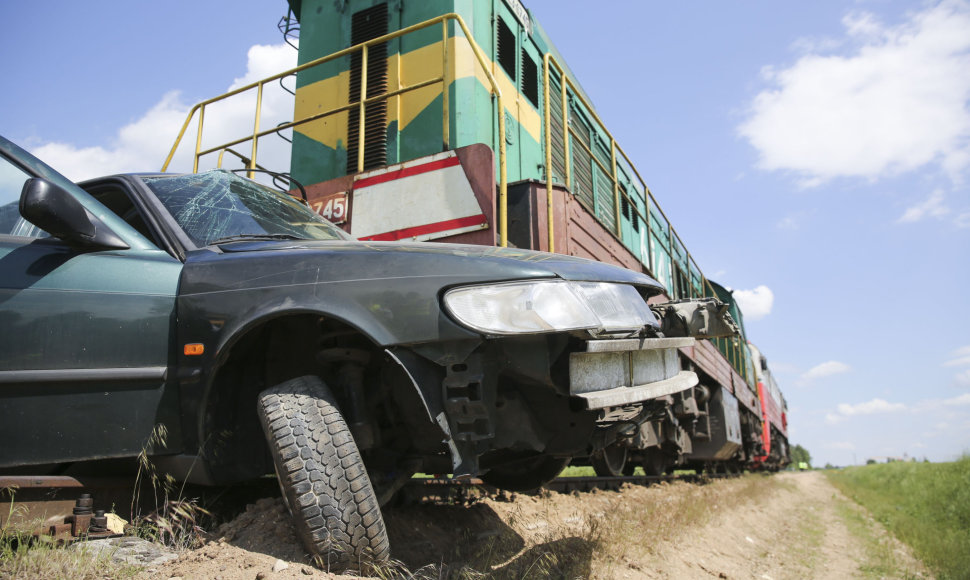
point(613, 373)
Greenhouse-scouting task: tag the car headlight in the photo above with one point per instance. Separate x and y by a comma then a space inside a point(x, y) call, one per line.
point(549, 306)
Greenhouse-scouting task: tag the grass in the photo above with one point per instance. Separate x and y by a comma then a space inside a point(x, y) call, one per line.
point(804, 541)
point(23, 556)
point(882, 559)
point(925, 505)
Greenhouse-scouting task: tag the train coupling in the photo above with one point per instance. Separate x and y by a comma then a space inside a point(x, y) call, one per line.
point(695, 317)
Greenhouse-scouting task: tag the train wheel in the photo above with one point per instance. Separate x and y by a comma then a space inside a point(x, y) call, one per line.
point(610, 461)
point(655, 462)
point(526, 474)
point(324, 482)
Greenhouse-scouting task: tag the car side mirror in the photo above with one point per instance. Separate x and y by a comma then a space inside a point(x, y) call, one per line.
point(51, 208)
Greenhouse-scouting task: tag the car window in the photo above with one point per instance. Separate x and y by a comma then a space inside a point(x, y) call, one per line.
point(12, 180)
point(117, 200)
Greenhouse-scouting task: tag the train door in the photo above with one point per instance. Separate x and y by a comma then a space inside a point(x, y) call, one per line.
point(517, 71)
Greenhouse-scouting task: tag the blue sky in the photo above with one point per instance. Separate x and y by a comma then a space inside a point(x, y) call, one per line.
point(814, 156)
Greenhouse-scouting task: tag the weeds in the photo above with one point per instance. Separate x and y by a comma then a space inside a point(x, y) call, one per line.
point(881, 555)
point(176, 521)
point(23, 556)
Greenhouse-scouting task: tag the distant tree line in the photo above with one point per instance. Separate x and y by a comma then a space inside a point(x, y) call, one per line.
point(800, 455)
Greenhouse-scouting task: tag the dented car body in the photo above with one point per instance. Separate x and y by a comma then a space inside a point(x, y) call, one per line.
point(174, 303)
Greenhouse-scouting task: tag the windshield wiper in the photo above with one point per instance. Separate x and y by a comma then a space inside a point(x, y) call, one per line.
point(246, 237)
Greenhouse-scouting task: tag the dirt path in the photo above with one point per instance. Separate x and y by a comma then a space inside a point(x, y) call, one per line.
point(796, 532)
point(791, 525)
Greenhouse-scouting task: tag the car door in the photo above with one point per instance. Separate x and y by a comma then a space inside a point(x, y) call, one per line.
point(86, 336)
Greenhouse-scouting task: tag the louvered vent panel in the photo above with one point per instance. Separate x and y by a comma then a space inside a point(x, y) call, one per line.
point(366, 25)
point(605, 200)
point(582, 170)
point(555, 112)
point(530, 79)
point(629, 212)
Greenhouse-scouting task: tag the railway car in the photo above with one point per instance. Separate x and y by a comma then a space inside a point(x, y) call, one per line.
point(459, 121)
point(774, 408)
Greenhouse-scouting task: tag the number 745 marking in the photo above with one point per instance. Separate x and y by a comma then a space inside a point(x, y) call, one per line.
point(333, 208)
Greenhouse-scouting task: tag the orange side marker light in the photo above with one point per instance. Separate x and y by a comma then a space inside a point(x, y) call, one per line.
point(194, 349)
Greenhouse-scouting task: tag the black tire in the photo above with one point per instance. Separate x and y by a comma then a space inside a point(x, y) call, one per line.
point(526, 474)
point(322, 475)
point(610, 461)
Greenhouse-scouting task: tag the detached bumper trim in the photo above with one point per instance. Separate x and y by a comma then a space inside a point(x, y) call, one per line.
point(628, 395)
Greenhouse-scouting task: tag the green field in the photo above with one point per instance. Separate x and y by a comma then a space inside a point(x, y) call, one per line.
point(926, 505)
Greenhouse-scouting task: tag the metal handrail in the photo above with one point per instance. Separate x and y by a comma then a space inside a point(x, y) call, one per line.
point(550, 62)
point(363, 47)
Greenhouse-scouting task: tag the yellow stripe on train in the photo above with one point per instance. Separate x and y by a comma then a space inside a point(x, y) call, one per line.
point(414, 67)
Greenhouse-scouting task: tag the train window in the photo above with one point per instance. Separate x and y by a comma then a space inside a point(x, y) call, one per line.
point(505, 48)
point(530, 79)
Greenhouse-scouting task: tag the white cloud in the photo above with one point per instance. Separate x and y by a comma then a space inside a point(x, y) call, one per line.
point(826, 369)
point(894, 100)
point(944, 407)
point(846, 445)
point(932, 207)
point(957, 401)
point(962, 379)
point(961, 357)
point(139, 146)
point(787, 223)
point(144, 144)
point(873, 407)
point(755, 304)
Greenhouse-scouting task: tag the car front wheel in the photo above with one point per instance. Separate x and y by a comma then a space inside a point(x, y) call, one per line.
point(322, 475)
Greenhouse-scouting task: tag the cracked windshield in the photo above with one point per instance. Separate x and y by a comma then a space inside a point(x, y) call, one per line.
point(219, 206)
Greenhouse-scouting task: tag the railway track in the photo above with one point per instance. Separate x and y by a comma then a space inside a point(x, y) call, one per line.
point(49, 504)
point(443, 489)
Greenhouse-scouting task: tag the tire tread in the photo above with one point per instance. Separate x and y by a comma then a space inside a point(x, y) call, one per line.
point(322, 474)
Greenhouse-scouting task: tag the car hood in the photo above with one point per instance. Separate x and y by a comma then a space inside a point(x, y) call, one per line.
point(388, 290)
point(486, 263)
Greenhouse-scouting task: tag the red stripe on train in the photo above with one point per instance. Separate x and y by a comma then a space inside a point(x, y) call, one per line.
point(434, 228)
point(408, 171)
